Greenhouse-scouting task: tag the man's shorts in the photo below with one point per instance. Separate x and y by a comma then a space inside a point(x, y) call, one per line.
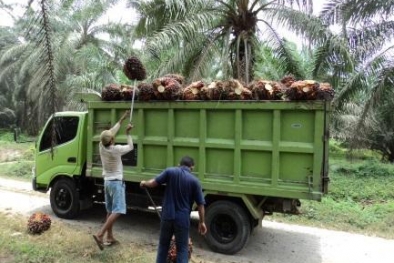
point(115, 197)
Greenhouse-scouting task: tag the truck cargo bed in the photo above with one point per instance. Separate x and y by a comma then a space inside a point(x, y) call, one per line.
point(264, 148)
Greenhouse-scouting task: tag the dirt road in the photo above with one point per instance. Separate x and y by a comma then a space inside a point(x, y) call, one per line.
point(272, 243)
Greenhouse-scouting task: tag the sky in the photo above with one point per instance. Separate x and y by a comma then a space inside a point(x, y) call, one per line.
point(116, 14)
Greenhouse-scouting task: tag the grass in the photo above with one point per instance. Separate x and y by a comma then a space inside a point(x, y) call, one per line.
point(62, 243)
point(16, 159)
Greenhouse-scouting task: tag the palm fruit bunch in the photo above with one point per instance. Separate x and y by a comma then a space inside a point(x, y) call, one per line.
point(134, 69)
point(177, 77)
point(38, 223)
point(288, 80)
point(266, 90)
point(127, 92)
point(111, 92)
point(217, 90)
point(167, 89)
point(171, 257)
point(302, 90)
point(238, 91)
point(145, 92)
point(326, 92)
point(192, 92)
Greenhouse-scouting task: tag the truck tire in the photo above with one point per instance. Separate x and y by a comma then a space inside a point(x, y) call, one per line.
point(228, 227)
point(64, 199)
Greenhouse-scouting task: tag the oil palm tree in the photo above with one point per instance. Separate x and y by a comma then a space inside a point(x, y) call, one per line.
point(49, 57)
point(356, 58)
point(192, 35)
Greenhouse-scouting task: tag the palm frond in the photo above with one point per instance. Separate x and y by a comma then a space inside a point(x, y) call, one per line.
point(370, 40)
point(306, 25)
point(179, 31)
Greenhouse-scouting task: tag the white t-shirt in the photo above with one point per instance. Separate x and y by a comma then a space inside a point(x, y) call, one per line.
point(111, 157)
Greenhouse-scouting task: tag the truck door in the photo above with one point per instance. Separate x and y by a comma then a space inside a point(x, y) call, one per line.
point(63, 158)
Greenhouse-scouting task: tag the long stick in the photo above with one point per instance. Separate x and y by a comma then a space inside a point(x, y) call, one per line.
point(153, 202)
point(132, 102)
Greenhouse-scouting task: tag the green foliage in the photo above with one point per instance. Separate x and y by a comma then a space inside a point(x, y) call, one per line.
point(194, 36)
point(85, 55)
point(6, 136)
point(341, 150)
point(20, 169)
point(368, 168)
point(336, 148)
point(16, 159)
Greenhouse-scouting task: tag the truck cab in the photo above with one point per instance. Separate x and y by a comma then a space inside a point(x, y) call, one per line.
point(60, 159)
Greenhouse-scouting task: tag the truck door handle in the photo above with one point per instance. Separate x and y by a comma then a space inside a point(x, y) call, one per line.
point(72, 160)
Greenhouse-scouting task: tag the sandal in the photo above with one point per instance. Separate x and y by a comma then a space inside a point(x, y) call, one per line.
point(111, 243)
point(98, 242)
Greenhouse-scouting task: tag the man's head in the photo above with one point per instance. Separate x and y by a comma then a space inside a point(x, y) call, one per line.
point(107, 138)
point(187, 161)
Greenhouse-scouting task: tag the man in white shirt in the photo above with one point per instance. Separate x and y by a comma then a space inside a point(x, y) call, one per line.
point(114, 187)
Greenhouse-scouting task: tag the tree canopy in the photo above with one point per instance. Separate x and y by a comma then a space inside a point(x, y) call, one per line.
point(59, 48)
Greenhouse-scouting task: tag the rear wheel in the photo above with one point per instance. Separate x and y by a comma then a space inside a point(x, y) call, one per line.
point(228, 227)
point(65, 199)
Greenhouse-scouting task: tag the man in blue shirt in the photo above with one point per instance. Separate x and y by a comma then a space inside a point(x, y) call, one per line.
point(182, 190)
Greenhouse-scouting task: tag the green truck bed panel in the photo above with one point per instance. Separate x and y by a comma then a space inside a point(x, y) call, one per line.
point(272, 148)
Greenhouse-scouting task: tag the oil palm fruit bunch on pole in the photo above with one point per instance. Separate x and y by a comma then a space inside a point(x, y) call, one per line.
point(38, 223)
point(192, 92)
point(134, 69)
point(166, 88)
point(111, 92)
point(145, 92)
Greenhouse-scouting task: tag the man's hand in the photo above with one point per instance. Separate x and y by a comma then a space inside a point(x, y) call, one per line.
point(142, 184)
point(150, 184)
point(129, 127)
point(202, 228)
point(127, 113)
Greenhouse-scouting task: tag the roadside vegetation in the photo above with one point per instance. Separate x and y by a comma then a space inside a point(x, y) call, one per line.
point(16, 159)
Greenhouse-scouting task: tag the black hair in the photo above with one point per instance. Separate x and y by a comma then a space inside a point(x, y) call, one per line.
point(187, 161)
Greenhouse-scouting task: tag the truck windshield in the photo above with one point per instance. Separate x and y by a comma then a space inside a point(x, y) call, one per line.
point(65, 129)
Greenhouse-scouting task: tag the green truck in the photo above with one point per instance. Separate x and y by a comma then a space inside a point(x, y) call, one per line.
point(253, 158)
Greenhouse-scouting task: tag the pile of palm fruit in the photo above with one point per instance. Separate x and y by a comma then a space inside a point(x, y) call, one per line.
point(38, 223)
point(172, 87)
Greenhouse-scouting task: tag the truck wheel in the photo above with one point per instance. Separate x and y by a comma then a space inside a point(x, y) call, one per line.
point(65, 199)
point(228, 227)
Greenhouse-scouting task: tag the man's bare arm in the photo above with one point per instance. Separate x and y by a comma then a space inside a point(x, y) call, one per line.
point(202, 229)
point(150, 184)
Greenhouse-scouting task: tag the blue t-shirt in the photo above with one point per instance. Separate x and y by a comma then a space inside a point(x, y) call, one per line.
point(182, 190)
